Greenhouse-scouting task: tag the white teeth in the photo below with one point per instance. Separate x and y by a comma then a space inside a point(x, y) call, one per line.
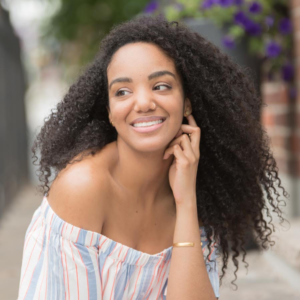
point(147, 123)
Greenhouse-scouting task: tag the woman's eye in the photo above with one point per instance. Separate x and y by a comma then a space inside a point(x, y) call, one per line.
point(120, 91)
point(117, 94)
point(168, 87)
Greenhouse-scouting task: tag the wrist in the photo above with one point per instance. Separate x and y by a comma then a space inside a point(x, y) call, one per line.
point(189, 203)
point(186, 211)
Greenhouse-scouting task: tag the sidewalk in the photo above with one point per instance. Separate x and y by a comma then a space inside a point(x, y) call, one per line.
point(267, 278)
point(13, 226)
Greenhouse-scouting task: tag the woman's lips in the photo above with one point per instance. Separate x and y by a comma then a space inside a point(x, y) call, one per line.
point(148, 128)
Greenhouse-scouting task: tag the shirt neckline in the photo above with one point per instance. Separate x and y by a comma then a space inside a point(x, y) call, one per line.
point(91, 238)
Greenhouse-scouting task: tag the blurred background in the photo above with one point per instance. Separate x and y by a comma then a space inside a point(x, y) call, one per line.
point(45, 44)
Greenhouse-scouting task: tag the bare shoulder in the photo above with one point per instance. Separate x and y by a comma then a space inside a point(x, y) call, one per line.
point(79, 194)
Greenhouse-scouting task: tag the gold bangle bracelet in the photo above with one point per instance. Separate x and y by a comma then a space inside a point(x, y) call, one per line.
point(184, 244)
point(188, 244)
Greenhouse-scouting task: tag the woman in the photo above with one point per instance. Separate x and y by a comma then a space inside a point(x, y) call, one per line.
point(131, 187)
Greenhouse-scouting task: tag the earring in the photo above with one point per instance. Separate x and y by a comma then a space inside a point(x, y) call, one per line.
point(187, 112)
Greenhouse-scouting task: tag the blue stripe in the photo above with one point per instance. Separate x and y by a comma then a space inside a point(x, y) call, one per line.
point(121, 281)
point(81, 237)
point(146, 280)
point(90, 270)
point(37, 272)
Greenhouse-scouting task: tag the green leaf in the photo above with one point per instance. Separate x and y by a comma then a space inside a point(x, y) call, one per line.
point(256, 46)
point(171, 13)
point(236, 31)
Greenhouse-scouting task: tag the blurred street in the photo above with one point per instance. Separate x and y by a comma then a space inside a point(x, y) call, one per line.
point(44, 45)
point(266, 278)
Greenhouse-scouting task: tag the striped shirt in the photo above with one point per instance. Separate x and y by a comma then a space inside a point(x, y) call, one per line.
point(64, 262)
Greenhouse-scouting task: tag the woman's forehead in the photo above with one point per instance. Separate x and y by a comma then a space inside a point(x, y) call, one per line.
point(141, 57)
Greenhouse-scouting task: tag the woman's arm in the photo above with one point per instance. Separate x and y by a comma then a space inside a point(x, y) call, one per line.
point(188, 277)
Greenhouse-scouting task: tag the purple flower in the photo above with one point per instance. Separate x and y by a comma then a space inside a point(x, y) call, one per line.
point(208, 3)
point(250, 26)
point(238, 2)
point(255, 7)
point(287, 71)
point(269, 20)
point(225, 3)
point(253, 28)
point(273, 49)
point(240, 18)
point(285, 26)
point(228, 42)
point(151, 7)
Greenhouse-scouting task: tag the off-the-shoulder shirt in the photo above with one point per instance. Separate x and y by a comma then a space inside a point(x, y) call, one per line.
point(64, 262)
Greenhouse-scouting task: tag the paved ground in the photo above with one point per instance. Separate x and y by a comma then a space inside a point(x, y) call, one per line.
point(267, 279)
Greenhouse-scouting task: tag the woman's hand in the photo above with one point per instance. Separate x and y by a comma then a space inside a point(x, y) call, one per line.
point(183, 170)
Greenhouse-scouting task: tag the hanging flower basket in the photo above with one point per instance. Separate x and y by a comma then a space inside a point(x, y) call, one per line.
point(262, 28)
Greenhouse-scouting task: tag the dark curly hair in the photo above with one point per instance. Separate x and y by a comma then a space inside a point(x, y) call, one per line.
point(236, 165)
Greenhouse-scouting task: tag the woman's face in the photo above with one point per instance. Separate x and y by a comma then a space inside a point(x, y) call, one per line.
point(138, 96)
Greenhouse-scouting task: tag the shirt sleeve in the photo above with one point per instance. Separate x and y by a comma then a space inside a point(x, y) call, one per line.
point(211, 266)
point(54, 267)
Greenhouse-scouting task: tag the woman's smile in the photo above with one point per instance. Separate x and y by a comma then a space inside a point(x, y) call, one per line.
point(148, 128)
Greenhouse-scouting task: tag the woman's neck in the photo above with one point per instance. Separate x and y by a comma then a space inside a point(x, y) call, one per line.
point(143, 175)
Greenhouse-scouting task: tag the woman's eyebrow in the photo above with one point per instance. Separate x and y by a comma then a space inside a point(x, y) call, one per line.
point(151, 76)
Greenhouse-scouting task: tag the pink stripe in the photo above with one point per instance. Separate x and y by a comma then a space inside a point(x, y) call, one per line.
point(102, 243)
point(126, 254)
point(92, 239)
point(30, 256)
point(63, 270)
point(105, 282)
point(51, 219)
point(120, 251)
point(77, 234)
point(99, 273)
point(77, 283)
point(41, 286)
point(153, 278)
point(67, 273)
point(86, 272)
point(66, 264)
point(212, 250)
point(35, 265)
point(159, 290)
point(108, 269)
point(161, 267)
point(138, 259)
point(112, 289)
point(47, 267)
point(71, 233)
point(128, 280)
point(136, 282)
point(30, 232)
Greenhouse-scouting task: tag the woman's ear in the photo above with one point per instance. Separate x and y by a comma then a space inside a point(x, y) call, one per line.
point(187, 107)
point(108, 111)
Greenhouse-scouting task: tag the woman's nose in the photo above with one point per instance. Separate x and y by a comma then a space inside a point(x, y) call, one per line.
point(144, 100)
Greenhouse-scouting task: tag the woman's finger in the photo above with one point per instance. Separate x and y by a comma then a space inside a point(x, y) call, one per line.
point(185, 145)
point(195, 134)
point(178, 154)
